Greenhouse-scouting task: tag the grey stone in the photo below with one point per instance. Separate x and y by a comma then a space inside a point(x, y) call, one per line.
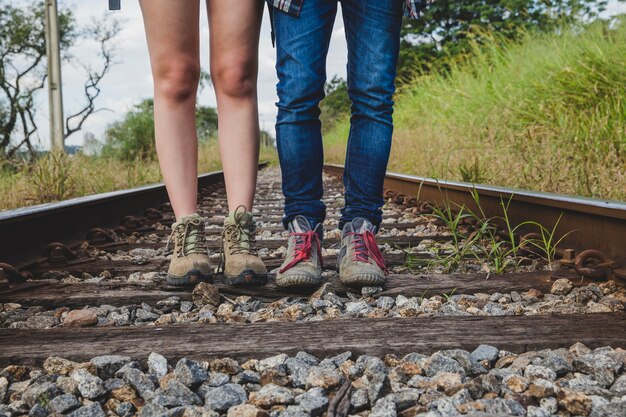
point(139, 381)
point(440, 363)
point(113, 383)
point(168, 401)
point(369, 291)
point(39, 391)
point(152, 410)
point(298, 370)
point(271, 362)
point(537, 371)
point(186, 306)
point(91, 410)
point(63, 403)
point(619, 386)
point(484, 352)
point(108, 365)
point(271, 395)
point(4, 388)
point(359, 400)
point(145, 316)
point(372, 364)
point(247, 377)
point(499, 406)
point(89, 386)
point(217, 379)
point(617, 407)
point(384, 407)
point(123, 369)
point(534, 411)
point(157, 365)
point(385, 302)
point(378, 387)
point(190, 373)
point(314, 401)
point(184, 394)
point(358, 308)
point(41, 322)
point(125, 409)
point(405, 398)
point(307, 358)
point(37, 411)
point(226, 396)
point(293, 411)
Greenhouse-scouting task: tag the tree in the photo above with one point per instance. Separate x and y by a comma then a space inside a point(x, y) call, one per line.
point(23, 69)
point(133, 137)
point(447, 28)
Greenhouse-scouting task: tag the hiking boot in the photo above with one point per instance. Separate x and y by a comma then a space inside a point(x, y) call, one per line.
point(190, 261)
point(303, 264)
point(360, 261)
point(240, 262)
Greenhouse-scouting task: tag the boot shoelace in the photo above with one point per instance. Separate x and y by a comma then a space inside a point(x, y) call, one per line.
point(302, 250)
point(189, 238)
point(365, 248)
point(243, 237)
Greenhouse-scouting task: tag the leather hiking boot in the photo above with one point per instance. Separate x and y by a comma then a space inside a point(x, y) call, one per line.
point(190, 261)
point(240, 262)
point(360, 261)
point(303, 263)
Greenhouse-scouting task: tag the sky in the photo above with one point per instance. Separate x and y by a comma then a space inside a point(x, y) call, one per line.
point(130, 80)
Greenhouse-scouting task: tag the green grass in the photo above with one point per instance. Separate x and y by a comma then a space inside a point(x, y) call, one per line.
point(546, 113)
point(57, 177)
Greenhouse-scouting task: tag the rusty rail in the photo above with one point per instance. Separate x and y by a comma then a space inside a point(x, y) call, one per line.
point(24, 231)
point(595, 224)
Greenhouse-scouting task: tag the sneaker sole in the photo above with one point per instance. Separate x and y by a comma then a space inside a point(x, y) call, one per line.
point(247, 277)
point(363, 280)
point(190, 279)
point(298, 281)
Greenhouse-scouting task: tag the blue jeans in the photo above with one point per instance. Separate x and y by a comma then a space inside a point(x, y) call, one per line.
point(373, 36)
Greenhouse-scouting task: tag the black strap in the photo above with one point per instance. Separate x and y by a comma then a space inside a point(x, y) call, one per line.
point(115, 4)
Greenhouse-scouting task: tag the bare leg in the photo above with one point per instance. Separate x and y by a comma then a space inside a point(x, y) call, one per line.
point(172, 32)
point(234, 66)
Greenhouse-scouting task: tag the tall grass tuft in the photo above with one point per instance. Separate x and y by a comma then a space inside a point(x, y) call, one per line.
point(545, 113)
point(56, 177)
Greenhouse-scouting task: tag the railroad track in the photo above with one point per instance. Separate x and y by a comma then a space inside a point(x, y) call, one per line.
point(88, 325)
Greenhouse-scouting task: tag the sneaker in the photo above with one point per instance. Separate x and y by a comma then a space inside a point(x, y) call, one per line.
point(240, 262)
point(303, 265)
point(190, 261)
point(360, 261)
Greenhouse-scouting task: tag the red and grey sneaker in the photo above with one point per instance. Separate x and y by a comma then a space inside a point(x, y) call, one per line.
point(303, 263)
point(360, 261)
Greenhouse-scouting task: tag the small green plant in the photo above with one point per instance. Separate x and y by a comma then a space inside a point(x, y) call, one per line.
point(449, 294)
point(547, 242)
point(473, 172)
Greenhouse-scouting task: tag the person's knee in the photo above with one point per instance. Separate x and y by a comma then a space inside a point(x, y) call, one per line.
point(177, 79)
point(234, 78)
point(299, 99)
point(372, 99)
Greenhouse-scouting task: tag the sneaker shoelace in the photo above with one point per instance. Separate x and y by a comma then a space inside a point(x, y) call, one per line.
point(302, 249)
point(189, 237)
point(365, 248)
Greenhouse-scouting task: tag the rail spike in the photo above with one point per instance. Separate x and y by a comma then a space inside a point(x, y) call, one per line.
point(585, 266)
point(58, 253)
point(12, 275)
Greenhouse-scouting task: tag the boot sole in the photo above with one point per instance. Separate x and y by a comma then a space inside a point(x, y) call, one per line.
point(190, 279)
point(247, 277)
point(298, 281)
point(363, 280)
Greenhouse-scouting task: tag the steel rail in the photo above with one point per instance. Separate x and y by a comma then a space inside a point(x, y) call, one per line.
point(593, 223)
point(24, 231)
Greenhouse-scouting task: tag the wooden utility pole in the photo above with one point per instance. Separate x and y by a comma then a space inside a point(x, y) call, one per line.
point(55, 94)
